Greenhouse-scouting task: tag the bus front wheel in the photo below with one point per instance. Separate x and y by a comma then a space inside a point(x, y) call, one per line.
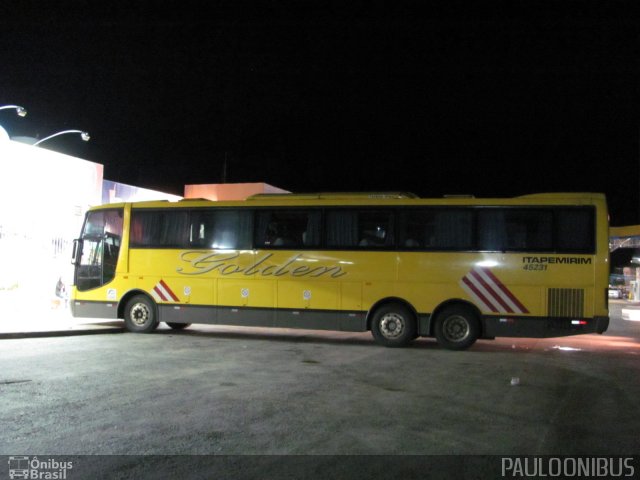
point(140, 315)
point(457, 327)
point(393, 325)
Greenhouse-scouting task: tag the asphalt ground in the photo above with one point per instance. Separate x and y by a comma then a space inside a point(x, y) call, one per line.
point(260, 400)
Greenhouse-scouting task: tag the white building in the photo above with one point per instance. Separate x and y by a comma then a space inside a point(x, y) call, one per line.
point(43, 198)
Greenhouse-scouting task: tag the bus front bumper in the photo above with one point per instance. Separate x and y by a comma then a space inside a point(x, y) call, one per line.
point(91, 309)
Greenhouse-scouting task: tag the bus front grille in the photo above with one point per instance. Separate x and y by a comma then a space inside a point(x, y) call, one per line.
point(565, 302)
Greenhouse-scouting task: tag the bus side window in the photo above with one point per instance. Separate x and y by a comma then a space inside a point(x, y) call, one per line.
point(269, 231)
point(410, 230)
point(365, 228)
point(515, 229)
point(294, 228)
point(491, 229)
point(529, 229)
point(342, 228)
point(375, 228)
point(160, 228)
point(575, 229)
point(221, 228)
point(136, 231)
point(453, 229)
point(311, 234)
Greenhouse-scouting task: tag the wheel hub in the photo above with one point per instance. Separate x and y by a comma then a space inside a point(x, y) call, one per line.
point(456, 328)
point(140, 314)
point(392, 325)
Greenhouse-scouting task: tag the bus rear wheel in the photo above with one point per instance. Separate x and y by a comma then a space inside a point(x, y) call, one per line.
point(178, 326)
point(393, 325)
point(140, 315)
point(457, 327)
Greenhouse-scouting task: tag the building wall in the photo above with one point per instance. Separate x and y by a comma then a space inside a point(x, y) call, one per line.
point(44, 195)
point(229, 191)
point(113, 192)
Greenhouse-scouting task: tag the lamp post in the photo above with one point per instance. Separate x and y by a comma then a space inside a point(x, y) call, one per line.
point(19, 110)
point(84, 135)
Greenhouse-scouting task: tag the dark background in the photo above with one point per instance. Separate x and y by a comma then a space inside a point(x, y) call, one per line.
point(435, 98)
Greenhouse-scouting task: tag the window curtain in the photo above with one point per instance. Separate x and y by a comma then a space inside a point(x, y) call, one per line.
point(342, 228)
point(453, 229)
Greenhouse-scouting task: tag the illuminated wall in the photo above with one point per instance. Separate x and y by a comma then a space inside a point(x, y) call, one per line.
point(229, 191)
point(43, 197)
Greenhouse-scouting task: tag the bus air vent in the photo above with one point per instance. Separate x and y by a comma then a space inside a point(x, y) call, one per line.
point(565, 302)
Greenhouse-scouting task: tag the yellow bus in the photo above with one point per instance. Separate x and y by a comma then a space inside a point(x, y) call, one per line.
point(456, 269)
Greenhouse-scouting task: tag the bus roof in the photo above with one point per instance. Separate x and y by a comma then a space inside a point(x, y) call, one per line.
point(331, 195)
point(372, 199)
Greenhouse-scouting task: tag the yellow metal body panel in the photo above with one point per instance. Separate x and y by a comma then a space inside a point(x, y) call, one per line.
point(357, 280)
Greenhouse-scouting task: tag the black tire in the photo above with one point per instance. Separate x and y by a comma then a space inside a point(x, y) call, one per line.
point(141, 315)
point(393, 325)
point(457, 327)
point(178, 326)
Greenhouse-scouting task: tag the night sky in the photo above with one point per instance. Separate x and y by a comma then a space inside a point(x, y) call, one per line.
point(432, 98)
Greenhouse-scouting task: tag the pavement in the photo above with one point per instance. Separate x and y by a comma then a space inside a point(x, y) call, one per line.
point(312, 397)
point(244, 403)
point(56, 322)
point(630, 309)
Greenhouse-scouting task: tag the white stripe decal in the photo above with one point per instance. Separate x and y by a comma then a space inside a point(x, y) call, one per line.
point(489, 293)
point(162, 293)
point(498, 291)
point(484, 306)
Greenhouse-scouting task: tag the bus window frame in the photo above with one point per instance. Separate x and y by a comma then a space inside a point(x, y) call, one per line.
point(394, 215)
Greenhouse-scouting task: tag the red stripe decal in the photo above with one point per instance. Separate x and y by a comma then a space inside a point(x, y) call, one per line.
point(160, 294)
point(169, 291)
point(505, 290)
point(489, 288)
point(480, 295)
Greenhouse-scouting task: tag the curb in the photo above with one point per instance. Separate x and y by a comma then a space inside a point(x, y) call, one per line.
point(62, 333)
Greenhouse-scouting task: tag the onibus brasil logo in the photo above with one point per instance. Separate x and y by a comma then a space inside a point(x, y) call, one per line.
point(33, 468)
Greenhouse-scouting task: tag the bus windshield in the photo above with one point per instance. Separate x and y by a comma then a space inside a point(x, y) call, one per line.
point(96, 251)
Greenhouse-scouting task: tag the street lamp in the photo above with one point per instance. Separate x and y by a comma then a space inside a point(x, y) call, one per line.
point(84, 135)
point(19, 110)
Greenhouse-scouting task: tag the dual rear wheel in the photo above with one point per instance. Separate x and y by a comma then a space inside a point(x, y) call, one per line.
point(457, 327)
point(394, 325)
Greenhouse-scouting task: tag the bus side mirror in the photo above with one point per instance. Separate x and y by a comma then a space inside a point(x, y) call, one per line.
point(77, 252)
